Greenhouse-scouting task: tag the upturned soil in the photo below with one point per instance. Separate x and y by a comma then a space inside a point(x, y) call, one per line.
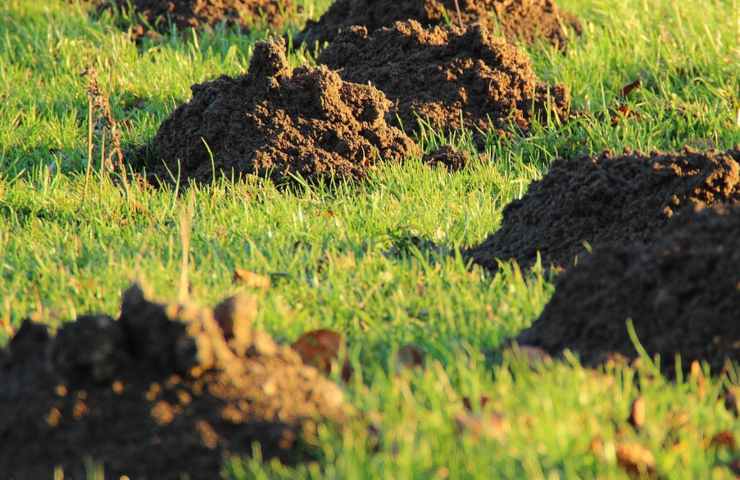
point(165, 391)
point(682, 293)
point(585, 203)
point(157, 14)
point(449, 77)
point(447, 157)
point(277, 122)
point(527, 20)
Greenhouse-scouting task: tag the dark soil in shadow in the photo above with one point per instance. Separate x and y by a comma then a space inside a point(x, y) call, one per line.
point(277, 122)
point(585, 203)
point(527, 20)
point(158, 14)
point(165, 391)
point(448, 77)
point(682, 293)
point(447, 157)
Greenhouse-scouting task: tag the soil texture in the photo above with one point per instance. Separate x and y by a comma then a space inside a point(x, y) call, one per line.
point(449, 77)
point(165, 391)
point(278, 122)
point(158, 14)
point(448, 157)
point(682, 293)
point(526, 20)
point(584, 203)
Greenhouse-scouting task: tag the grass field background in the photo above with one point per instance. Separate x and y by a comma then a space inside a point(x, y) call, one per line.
point(348, 257)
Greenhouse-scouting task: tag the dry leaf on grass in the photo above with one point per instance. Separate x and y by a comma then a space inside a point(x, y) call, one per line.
point(320, 349)
point(630, 87)
point(637, 413)
point(635, 459)
point(251, 279)
point(485, 425)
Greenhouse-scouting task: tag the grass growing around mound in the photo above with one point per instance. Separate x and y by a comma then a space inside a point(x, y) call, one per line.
point(345, 257)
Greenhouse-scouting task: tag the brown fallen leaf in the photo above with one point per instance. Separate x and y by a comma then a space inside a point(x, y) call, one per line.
point(319, 348)
point(410, 356)
point(724, 439)
point(635, 459)
point(630, 87)
point(251, 279)
point(623, 112)
point(485, 425)
point(637, 412)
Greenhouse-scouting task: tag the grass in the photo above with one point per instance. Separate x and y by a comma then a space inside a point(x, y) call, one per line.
point(66, 249)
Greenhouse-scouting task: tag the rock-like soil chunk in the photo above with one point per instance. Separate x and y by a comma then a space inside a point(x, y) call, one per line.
point(583, 203)
point(449, 77)
point(166, 391)
point(527, 20)
point(682, 293)
point(278, 122)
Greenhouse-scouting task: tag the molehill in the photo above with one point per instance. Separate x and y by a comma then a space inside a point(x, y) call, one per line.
point(450, 77)
point(165, 391)
point(583, 203)
point(277, 122)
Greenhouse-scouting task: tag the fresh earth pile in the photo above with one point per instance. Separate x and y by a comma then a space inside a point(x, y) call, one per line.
point(278, 122)
point(528, 20)
point(682, 294)
point(589, 202)
point(449, 77)
point(201, 13)
point(164, 392)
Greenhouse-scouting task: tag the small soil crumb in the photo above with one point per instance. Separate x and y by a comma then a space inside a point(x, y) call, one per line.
point(278, 122)
point(448, 77)
point(157, 14)
point(682, 294)
point(585, 202)
point(527, 20)
point(448, 157)
point(165, 391)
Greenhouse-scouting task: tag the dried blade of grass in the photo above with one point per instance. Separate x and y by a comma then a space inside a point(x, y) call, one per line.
point(459, 15)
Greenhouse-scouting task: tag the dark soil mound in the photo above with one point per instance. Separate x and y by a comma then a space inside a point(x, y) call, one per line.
point(528, 20)
point(447, 157)
point(682, 294)
point(450, 77)
point(607, 199)
point(202, 13)
point(164, 392)
point(275, 122)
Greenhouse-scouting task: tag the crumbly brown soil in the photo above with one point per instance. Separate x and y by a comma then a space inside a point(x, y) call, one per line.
point(608, 200)
point(682, 294)
point(447, 157)
point(449, 77)
point(201, 13)
point(528, 20)
point(278, 122)
point(165, 391)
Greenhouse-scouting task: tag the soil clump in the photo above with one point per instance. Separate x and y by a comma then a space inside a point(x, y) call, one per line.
point(682, 293)
point(449, 77)
point(165, 391)
point(157, 14)
point(278, 122)
point(585, 203)
point(526, 20)
point(448, 157)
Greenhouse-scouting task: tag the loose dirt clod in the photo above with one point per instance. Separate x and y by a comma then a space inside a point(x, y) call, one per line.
point(583, 203)
point(449, 77)
point(682, 294)
point(528, 20)
point(447, 157)
point(278, 122)
point(244, 14)
point(165, 391)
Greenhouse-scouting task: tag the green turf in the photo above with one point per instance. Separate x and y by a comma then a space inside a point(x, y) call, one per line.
point(345, 257)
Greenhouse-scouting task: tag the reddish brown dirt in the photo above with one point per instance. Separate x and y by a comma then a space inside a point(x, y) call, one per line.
point(450, 77)
point(201, 13)
point(527, 20)
point(682, 294)
point(447, 157)
point(167, 391)
point(607, 199)
point(278, 122)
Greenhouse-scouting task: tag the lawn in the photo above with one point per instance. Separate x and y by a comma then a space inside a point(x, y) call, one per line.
point(378, 261)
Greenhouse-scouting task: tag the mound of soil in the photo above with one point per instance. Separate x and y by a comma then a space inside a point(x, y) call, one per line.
point(527, 20)
point(278, 122)
point(201, 13)
point(682, 294)
point(449, 77)
point(588, 202)
point(447, 157)
point(166, 391)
